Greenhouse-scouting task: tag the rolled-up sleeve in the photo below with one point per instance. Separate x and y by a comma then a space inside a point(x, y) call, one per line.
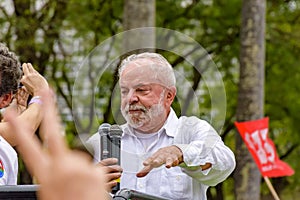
point(201, 144)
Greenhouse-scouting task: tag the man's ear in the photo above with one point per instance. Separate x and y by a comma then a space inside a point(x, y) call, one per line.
point(171, 93)
point(5, 100)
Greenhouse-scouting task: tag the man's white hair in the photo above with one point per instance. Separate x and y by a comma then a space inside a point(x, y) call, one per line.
point(162, 70)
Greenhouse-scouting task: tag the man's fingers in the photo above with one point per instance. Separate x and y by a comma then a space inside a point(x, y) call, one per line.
point(155, 160)
point(112, 172)
point(109, 182)
point(113, 176)
point(112, 169)
point(25, 68)
point(30, 68)
point(170, 156)
point(149, 160)
point(169, 162)
point(172, 161)
point(108, 161)
point(110, 185)
point(22, 96)
point(144, 171)
point(28, 147)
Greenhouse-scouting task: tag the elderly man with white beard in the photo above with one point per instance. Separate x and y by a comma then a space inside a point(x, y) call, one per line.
point(161, 154)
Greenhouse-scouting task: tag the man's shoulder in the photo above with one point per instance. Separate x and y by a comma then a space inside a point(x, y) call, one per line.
point(94, 137)
point(191, 121)
point(193, 125)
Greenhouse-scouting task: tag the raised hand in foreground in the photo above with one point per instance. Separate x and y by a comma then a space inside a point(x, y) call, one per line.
point(61, 173)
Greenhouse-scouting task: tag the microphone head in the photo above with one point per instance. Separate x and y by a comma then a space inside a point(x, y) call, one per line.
point(115, 131)
point(104, 129)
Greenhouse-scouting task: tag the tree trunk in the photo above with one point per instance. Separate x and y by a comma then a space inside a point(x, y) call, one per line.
point(137, 38)
point(251, 94)
point(138, 14)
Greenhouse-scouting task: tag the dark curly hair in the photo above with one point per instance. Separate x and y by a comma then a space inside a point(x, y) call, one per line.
point(10, 71)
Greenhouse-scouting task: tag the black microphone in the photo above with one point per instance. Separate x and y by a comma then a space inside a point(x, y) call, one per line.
point(115, 134)
point(104, 140)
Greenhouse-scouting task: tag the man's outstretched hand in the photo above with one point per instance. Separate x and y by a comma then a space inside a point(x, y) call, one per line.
point(170, 156)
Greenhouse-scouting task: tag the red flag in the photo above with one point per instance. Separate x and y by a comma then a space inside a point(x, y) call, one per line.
point(255, 135)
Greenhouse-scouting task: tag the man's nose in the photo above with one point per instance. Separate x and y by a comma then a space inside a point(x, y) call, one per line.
point(132, 97)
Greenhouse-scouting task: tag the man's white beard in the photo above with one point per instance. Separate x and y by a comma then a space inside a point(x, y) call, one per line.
point(145, 116)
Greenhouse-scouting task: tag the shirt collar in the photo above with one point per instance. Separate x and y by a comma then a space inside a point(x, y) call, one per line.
point(171, 124)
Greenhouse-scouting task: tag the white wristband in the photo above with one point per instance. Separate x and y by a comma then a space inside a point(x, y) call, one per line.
point(35, 99)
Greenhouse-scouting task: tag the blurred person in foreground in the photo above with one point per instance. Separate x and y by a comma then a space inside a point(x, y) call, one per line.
point(161, 154)
point(14, 96)
point(61, 172)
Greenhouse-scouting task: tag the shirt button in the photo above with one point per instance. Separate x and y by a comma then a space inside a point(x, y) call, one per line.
point(140, 185)
point(178, 178)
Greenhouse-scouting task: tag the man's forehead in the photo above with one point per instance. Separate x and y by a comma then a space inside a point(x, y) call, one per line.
point(139, 64)
point(139, 71)
point(139, 79)
point(146, 70)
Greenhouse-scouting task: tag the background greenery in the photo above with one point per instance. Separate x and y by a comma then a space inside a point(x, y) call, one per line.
point(56, 36)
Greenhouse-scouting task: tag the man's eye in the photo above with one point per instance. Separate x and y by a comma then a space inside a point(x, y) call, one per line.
point(142, 90)
point(124, 92)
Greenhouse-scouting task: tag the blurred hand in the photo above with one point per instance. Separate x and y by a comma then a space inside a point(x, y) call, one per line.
point(169, 156)
point(33, 81)
point(112, 171)
point(62, 173)
point(19, 102)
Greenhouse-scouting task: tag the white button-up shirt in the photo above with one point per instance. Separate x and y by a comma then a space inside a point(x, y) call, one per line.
point(8, 164)
point(199, 143)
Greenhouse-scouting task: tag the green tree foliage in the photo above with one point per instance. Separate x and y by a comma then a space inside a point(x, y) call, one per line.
point(56, 36)
point(282, 88)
